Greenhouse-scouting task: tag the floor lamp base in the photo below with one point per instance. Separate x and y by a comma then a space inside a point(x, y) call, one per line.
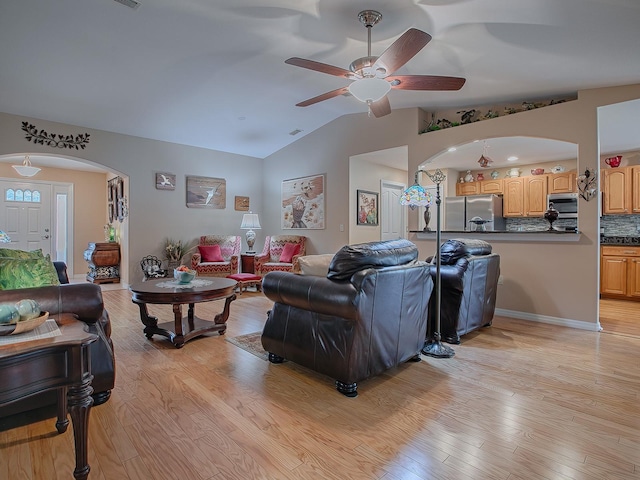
point(434, 348)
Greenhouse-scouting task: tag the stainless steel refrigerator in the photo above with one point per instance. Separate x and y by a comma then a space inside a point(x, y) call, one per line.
point(458, 211)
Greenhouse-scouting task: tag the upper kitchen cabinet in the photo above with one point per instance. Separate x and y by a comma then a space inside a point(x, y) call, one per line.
point(513, 199)
point(467, 188)
point(617, 184)
point(562, 182)
point(494, 186)
point(525, 196)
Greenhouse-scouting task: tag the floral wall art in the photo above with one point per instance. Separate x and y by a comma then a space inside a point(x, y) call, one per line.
point(303, 202)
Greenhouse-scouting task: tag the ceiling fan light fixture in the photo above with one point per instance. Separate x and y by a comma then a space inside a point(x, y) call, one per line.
point(369, 90)
point(26, 169)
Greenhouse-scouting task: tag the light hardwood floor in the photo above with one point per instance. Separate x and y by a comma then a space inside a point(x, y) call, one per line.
point(519, 400)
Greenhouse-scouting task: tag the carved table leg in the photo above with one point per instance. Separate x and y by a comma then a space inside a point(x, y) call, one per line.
point(150, 322)
point(178, 340)
point(222, 317)
point(79, 402)
point(63, 420)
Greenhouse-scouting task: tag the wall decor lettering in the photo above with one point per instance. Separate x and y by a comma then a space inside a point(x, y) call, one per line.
point(57, 140)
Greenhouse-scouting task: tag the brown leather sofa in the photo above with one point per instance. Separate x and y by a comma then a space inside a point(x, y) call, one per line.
point(469, 277)
point(367, 315)
point(84, 302)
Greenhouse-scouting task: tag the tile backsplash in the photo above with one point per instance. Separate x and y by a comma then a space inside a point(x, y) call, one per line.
point(620, 225)
point(537, 224)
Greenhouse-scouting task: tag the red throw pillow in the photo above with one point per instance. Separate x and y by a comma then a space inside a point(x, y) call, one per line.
point(210, 253)
point(289, 251)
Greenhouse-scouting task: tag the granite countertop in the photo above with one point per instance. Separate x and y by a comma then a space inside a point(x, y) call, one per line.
point(619, 240)
point(507, 236)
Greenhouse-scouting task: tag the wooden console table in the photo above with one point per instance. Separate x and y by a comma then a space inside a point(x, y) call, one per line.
point(61, 363)
point(104, 262)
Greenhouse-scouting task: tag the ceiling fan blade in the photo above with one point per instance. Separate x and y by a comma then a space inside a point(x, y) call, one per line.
point(402, 50)
point(425, 82)
point(320, 67)
point(381, 108)
point(324, 96)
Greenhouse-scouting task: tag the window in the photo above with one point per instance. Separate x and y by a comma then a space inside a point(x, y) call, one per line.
point(11, 195)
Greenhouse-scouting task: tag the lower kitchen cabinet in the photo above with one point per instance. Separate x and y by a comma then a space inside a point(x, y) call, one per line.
point(620, 272)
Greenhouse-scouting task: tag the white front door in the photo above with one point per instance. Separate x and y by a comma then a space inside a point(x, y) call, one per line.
point(25, 214)
point(392, 215)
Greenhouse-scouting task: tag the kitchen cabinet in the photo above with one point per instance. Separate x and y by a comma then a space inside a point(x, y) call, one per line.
point(562, 182)
point(616, 190)
point(535, 195)
point(467, 188)
point(513, 197)
point(479, 188)
point(491, 186)
point(635, 189)
point(620, 272)
point(525, 196)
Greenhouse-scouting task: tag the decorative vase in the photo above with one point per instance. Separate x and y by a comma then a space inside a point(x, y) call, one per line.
point(172, 264)
point(427, 218)
point(551, 215)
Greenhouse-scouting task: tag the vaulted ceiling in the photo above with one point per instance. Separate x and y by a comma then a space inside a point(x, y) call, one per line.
point(212, 73)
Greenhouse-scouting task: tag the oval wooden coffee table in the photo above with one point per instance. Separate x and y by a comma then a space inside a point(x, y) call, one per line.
point(169, 292)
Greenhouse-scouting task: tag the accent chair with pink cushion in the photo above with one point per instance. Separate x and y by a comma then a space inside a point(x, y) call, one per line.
point(279, 253)
point(217, 255)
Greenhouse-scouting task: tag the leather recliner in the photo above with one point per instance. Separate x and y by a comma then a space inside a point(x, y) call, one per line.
point(367, 315)
point(469, 283)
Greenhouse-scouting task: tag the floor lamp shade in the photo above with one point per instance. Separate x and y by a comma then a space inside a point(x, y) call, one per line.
point(250, 221)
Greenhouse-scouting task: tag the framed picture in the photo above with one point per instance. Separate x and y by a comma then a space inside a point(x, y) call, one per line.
point(303, 202)
point(242, 203)
point(165, 181)
point(206, 192)
point(367, 208)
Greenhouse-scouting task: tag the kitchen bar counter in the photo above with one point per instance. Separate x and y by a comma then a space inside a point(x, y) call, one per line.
point(541, 236)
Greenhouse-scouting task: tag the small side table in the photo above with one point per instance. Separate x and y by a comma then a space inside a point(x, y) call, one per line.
point(248, 265)
point(104, 262)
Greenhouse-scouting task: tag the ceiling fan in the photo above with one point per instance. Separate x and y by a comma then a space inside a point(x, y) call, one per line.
point(373, 76)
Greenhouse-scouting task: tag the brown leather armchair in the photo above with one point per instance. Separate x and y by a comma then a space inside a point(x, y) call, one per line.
point(84, 302)
point(469, 277)
point(367, 315)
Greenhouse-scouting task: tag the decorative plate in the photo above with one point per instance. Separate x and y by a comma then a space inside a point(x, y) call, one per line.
point(24, 326)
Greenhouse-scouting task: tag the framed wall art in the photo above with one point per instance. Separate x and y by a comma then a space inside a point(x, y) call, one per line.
point(206, 192)
point(165, 181)
point(242, 203)
point(367, 208)
point(303, 202)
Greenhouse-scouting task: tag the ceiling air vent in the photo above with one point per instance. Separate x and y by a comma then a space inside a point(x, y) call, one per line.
point(129, 3)
point(295, 132)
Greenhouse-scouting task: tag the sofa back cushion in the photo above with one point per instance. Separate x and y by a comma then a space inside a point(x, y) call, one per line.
point(352, 258)
point(314, 265)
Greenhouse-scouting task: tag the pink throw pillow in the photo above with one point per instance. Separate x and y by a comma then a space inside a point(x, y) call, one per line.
point(289, 251)
point(210, 253)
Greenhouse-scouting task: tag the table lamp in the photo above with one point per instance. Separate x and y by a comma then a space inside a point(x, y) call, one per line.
point(249, 222)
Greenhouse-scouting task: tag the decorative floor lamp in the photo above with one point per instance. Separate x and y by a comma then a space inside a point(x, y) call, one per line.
point(415, 196)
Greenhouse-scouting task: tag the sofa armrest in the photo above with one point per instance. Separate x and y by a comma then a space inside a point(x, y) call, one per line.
point(196, 258)
point(317, 294)
point(83, 300)
point(61, 270)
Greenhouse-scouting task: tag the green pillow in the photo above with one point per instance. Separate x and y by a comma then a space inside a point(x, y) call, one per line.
point(27, 272)
point(11, 253)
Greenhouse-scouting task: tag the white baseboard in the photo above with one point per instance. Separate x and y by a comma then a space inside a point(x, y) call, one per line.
point(563, 322)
